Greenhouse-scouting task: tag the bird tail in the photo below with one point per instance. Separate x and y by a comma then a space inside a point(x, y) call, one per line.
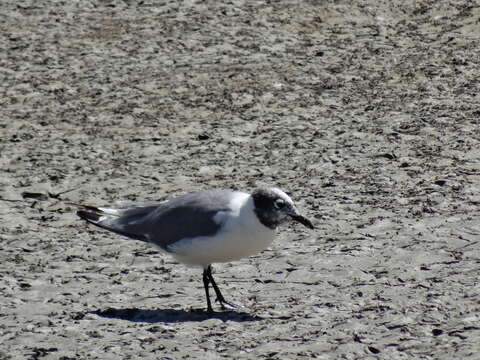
point(108, 219)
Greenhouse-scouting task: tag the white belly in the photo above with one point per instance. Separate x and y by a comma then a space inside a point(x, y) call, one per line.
point(242, 235)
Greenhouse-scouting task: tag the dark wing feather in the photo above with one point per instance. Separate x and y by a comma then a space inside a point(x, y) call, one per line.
point(106, 221)
point(186, 216)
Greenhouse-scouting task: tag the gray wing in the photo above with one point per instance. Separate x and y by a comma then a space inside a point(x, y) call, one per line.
point(164, 223)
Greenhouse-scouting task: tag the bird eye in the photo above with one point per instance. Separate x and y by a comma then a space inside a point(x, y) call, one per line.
point(280, 203)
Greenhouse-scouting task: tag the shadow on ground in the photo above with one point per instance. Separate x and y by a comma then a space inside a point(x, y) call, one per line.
point(173, 316)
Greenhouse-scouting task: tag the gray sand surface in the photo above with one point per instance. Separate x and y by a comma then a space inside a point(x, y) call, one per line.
point(366, 111)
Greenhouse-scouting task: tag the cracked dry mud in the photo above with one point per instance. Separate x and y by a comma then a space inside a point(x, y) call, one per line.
point(367, 112)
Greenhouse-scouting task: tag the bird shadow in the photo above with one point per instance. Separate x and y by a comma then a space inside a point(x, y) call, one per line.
point(172, 315)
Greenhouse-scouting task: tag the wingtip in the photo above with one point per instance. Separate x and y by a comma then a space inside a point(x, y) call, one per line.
point(88, 216)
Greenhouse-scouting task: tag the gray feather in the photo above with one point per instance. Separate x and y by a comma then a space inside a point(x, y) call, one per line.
point(164, 223)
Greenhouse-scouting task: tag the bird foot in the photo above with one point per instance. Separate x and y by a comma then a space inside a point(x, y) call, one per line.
point(228, 305)
point(225, 306)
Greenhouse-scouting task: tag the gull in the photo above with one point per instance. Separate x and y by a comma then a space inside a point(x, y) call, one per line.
point(204, 227)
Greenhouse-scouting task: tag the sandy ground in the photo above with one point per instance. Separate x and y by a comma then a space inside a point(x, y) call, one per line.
point(367, 112)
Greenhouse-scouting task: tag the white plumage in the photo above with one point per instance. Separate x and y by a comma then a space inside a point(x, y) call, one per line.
point(241, 235)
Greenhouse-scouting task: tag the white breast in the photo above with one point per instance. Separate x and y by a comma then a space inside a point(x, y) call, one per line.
point(242, 235)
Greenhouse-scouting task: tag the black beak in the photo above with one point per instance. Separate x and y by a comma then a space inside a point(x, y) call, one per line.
point(302, 220)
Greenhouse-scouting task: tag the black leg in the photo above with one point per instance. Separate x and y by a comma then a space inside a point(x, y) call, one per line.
point(224, 303)
point(206, 280)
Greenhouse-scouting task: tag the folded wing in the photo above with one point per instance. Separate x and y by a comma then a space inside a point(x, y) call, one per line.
point(163, 223)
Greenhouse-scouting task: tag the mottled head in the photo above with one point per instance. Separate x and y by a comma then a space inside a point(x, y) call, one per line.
point(273, 207)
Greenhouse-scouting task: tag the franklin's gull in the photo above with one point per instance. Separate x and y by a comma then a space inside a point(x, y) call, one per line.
point(204, 227)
